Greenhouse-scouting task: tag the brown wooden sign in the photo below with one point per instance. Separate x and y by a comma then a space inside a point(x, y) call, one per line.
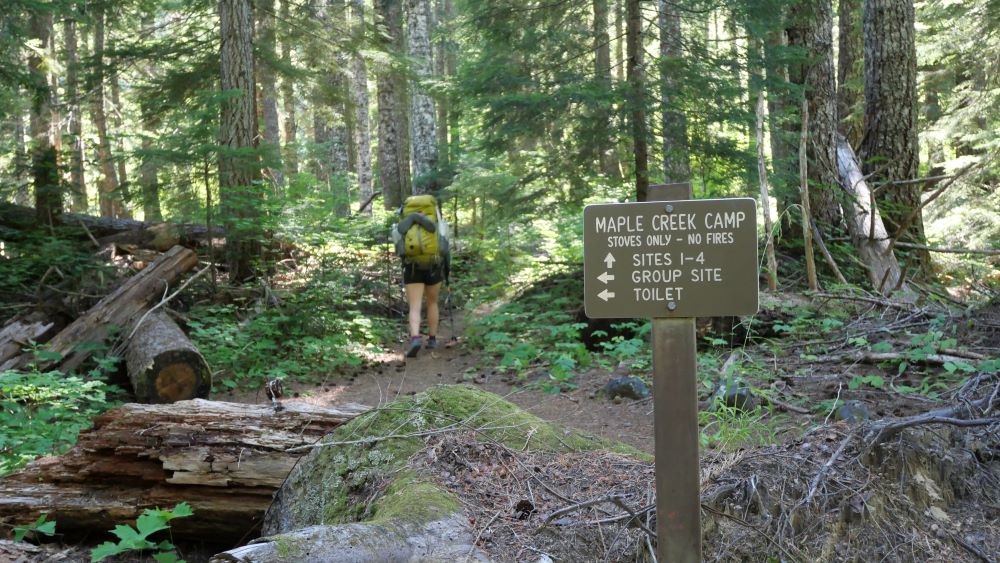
point(687, 258)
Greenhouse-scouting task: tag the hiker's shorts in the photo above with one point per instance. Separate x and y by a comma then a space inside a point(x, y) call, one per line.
point(414, 274)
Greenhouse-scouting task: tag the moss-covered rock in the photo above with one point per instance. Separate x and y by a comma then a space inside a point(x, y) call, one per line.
point(360, 472)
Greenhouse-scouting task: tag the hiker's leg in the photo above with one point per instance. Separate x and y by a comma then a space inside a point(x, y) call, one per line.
point(432, 308)
point(414, 295)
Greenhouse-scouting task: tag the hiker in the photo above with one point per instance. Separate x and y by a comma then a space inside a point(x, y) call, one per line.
point(422, 242)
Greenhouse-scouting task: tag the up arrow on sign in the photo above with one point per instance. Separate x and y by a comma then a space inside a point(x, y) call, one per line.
point(605, 295)
point(609, 260)
point(606, 277)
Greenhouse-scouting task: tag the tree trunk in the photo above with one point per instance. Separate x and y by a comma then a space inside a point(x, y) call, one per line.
point(149, 169)
point(393, 143)
point(342, 133)
point(21, 163)
point(442, 21)
point(238, 132)
point(118, 309)
point(269, 92)
point(890, 151)
point(122, 169)
point(163, 365)
point(864, 224)
point(108, 195)
point(44, 155)
point(423, 136)
point(637, 96)
point(676, 162)
point(291, 160)
point(765, 198)
point(812, 31)
point(362, 126)
point(850, 71)
point(602, 77)
point(620, 62)
point(225, 459)
point(776, 74)
point(78, 185)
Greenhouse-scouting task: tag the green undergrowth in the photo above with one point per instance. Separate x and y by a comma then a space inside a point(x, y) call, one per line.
point(41, 413)
point(326, 318)
point(363, 474)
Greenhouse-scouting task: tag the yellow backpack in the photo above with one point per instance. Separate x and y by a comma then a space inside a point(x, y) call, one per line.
point(421, 246)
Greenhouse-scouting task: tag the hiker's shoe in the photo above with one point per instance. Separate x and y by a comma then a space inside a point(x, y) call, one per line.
point(414, 347)
point(432, 343)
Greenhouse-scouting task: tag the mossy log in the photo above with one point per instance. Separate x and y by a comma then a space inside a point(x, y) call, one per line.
point(357, 497)
point(163, 365)
point(120, 308)
point(224, 459)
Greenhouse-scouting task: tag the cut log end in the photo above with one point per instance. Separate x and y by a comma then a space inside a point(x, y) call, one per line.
point(163, 365)
point(177, 376)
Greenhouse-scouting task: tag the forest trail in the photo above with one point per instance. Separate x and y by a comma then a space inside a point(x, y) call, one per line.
point(390, 375)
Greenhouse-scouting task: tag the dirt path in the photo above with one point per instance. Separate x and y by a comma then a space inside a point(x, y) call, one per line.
point(390, 375)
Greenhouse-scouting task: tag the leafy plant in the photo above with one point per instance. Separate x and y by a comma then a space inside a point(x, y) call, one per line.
point(876, 381)
point(137, 538)
point(42, 412)
point(40, 526)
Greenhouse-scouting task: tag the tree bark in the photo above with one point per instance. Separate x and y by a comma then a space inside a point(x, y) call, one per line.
point(423, 136)
point(765, 198)
point(119, 309)
point(850, 71)
point(393, 144)
point(108, 196)
point(812, 31)
point(362, 126)
point(291, 160)
point(676, 162)
point(602, 77)
point(21, 163)
point(37, 326)
point(239, 166)
point(776, 74)
point(224, 459)
point(78, 184)
point(637, 96)
point(269, 92)
point(620, 62)
point(864, 224)
point(163, 365)
point(150, 167)
point(121, 168)
point(44, 155)
point(890, 151)
point(442, 21)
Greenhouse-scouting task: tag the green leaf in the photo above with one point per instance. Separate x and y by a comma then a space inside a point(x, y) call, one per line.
point(881, 347)
point(48, 528)
point(105, 550)
point(167, 557)
point(902, 368)
point(950, 367)
point(151, 521)
point(182, 510)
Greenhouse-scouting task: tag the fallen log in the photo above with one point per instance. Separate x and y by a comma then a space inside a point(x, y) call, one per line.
point(36, 326)
point(163, 365)
point(864, 224)
point(118, 309)
point(224, 459)
point(148, 234)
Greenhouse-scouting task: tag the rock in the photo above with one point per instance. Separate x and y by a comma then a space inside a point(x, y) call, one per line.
point(852, 412)
point(731, 393)
point(627, 387)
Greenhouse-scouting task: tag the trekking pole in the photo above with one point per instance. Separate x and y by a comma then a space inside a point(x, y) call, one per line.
point(451, 314)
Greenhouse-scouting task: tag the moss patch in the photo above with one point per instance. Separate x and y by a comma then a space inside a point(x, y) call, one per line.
point(362, 472)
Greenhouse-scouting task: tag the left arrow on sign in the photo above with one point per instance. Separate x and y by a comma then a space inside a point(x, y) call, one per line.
point(606, 277)
point(605, 295)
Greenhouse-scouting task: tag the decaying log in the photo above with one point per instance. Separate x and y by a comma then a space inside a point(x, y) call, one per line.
point(118, 309)
point(864, 223)
point(35, 326)
point(224, 459)
point(163, 365)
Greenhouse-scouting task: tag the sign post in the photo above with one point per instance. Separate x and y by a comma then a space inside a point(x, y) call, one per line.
point(672, 259)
